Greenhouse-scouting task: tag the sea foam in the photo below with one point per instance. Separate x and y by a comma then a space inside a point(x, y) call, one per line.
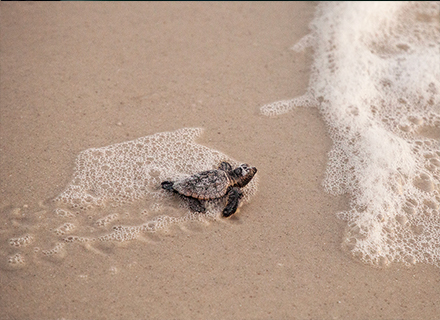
point(129, 171)
point(115, 195)
point(376, 81)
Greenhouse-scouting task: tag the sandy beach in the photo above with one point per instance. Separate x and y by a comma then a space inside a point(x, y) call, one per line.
point(81, 75)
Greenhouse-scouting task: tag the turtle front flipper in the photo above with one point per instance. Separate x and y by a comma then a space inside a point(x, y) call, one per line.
point(196, 205)
point(234, 195)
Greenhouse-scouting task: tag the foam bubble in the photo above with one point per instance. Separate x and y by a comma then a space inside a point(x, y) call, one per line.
point(58, 251)
point(113, 270)
point(16, 260)
point(163, 222)
point(65, 228)
point(107, 220)
point(71, 239)
point(376, 80)
point(64, 213)
point(283, 106)
point(21, 241)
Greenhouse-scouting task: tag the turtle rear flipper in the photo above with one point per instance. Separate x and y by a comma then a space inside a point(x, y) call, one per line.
point(234, 195)
point(168, 185)
point(196, 205)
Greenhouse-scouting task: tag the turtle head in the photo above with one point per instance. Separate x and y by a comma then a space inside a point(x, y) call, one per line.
point(242, 175)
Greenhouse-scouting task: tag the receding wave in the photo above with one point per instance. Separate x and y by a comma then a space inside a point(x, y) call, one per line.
point(376, 81)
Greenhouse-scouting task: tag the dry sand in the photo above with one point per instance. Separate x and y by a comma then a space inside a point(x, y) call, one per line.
point(81, 75)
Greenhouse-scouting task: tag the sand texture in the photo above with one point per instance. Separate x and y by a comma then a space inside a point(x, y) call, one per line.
point(81, 75)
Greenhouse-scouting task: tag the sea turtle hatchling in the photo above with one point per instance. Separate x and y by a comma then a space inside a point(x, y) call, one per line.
point(214, 184)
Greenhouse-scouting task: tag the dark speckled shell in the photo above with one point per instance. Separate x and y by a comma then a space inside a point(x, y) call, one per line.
point(205, 185)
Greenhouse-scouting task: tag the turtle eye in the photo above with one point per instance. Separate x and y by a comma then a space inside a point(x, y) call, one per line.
point(238, 171)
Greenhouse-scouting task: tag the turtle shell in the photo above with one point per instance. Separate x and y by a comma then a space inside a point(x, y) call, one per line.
point(205, 185)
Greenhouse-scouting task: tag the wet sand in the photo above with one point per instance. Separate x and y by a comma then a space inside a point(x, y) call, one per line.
point(81, 75)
